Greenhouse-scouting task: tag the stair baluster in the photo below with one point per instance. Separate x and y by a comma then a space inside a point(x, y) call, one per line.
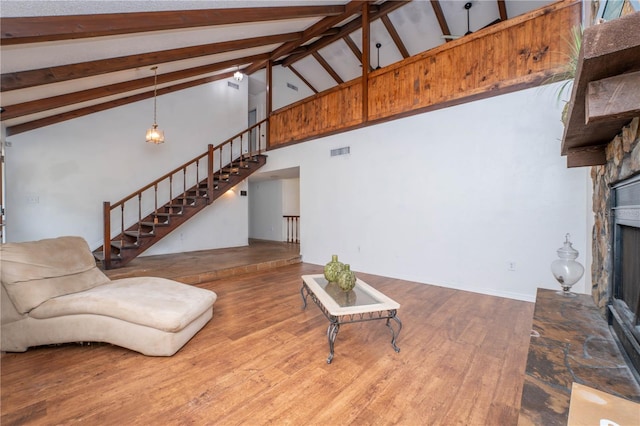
point(259, 135)
point(221, 168)
point(155, 204)
point(139, 218)
point(122, 226)
point(106, 231)
point(184, 187)
point(209, 173)
point(170, 194)
point(241, 162)
point(231, 157)
point(197, 179)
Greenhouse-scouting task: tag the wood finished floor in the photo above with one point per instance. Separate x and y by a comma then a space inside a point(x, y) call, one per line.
point(262, 360)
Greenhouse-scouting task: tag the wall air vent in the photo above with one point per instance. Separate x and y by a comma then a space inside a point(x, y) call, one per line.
point(233, 85)
point(292, 87)
point(341, 151)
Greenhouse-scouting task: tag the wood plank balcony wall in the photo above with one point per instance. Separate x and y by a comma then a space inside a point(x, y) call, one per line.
point(513, 55)
point(333, 110)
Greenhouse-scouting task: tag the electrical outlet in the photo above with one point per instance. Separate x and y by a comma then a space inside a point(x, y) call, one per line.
point(511, 266)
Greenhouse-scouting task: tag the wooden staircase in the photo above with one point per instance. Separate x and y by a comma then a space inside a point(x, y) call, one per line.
point(150, 227)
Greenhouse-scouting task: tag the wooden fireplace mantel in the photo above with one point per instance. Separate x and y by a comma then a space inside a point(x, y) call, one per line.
point(606, 91)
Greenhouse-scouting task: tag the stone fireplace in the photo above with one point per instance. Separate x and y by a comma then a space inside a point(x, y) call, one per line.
point(616, 237)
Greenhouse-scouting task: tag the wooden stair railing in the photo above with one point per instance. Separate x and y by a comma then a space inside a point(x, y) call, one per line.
point(152, 212)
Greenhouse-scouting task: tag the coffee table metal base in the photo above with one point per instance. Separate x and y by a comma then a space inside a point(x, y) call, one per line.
point(335, 321)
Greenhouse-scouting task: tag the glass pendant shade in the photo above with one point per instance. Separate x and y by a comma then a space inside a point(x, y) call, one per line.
point(566, 270)
point(238, 75)
point(155, 135)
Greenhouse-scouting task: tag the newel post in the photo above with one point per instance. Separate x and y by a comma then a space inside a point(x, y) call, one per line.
point(106, 247)
point(210, 173)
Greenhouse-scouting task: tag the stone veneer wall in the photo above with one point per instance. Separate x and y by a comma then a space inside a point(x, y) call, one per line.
point(623, 161)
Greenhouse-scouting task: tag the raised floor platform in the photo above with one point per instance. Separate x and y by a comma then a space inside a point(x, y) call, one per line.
point(208, 265)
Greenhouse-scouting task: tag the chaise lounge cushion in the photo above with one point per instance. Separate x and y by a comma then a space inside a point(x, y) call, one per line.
point(153, 302)
point(36, 271)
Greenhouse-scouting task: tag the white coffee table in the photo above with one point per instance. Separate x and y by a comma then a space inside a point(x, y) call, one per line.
point(363, 303)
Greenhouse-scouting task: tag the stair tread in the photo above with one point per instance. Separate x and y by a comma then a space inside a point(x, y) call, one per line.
point(139, 234)
point(123, 245)
point(99, 255)
point(155, 223)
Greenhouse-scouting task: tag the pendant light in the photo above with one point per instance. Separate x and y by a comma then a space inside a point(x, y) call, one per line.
point(378, 46)
point(155, 135)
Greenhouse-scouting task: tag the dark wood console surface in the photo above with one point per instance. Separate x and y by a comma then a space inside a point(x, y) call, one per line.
point(575, 345)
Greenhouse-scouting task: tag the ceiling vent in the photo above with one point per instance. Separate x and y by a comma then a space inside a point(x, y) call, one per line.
point(341, 151)
point(292, 87)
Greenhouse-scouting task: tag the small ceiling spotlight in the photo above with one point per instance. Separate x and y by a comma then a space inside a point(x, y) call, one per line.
point(238, 75)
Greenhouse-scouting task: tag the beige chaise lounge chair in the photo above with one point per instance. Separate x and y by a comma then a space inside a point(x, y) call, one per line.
point(52, 292)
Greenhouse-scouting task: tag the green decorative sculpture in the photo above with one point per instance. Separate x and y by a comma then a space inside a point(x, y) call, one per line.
point(346, 279)
point(332, 269)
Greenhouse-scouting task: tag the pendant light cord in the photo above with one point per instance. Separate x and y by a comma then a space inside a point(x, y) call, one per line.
point(155, 94)
point(468, 7)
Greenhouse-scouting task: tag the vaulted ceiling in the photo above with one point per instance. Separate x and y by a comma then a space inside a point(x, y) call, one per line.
point(66, 59)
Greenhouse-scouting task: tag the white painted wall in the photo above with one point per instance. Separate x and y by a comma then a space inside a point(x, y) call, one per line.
point(451, 197)
point(283, 95)
point(291, 197)
point(58, 176)
point(266, 210)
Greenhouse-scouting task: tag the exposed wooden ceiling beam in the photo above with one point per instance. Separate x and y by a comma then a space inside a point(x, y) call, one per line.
point(345, 30)
point(317, 29)
point(39, 105)
point(257, 65)
point(395, 36)
point(442, 21)
point(502, 8)
point(304, 80)
point(31, 78)
point(327, 67)
point(49, 28)
point(354, 48)
point(47, 121)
